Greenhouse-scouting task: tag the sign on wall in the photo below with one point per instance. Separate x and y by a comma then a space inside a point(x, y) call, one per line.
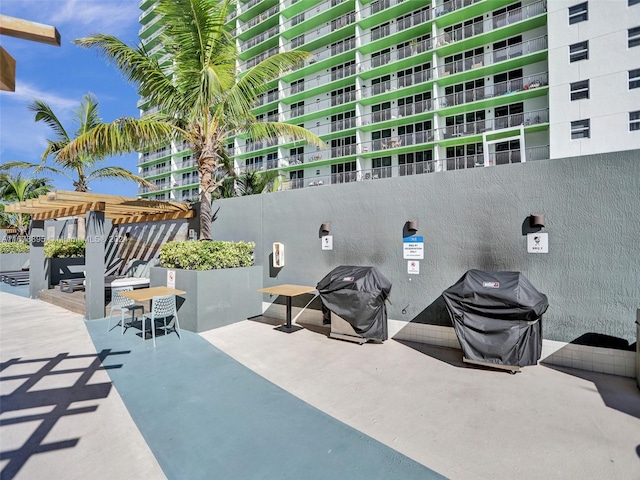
point(327, 242)
point(413, 267)
point(171, 278)
point(538, 243)
point(413, 248)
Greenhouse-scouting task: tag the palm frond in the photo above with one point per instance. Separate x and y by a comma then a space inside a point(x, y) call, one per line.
point(264, 130)
point(135, 65)
point(113, 172)
point(43, 113)
point(87, 114)
point(123, 135)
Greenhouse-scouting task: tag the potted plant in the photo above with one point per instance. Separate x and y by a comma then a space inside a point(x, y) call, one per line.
point(219, 277)
point(14, 256)
point(65, 259)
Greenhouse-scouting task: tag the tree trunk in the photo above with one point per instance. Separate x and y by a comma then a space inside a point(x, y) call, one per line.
point(205, 216)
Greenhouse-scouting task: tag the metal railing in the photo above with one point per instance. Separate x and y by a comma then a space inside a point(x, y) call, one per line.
point(496, 56)
point(417, 168)
point(489, 91)
point(499, 123)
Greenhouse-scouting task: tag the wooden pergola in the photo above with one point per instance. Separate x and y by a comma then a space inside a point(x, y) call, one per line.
point(119, 210)
point(98, 208)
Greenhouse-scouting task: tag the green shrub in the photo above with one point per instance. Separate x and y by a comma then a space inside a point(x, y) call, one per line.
point(197, 255)
point(64, 248)
point(14, 247)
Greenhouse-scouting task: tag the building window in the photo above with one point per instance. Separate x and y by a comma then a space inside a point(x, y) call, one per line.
point(297, 86)
point(297, 41)
point(578, 13)
point(381, 167)
point(580, 129)
point(414, 163)
point(633, 2)
point(344, 172)
point(580, 90)
point(297, 109)
point(297, 178)
point(634, 78)
point(634, 37)
point(579, 51)
point(380, 31)
point(634, 121)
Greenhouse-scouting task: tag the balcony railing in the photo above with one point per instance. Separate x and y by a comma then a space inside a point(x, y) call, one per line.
point(496, 56)
point(508, 121)
point(147, 11)
point(147, 157)
point(253, 61)
point(242, 27)
point(155, 171)
point(489, 24)
point(253, 41)
point(453, 5)
point(416, 168)
point(497, 89)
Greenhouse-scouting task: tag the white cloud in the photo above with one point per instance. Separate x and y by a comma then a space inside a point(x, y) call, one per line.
point(114, 17)
point(26, 93)
point(74, 18)
point(22, 138)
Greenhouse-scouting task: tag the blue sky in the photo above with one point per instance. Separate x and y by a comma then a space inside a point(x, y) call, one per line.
point(61, 76)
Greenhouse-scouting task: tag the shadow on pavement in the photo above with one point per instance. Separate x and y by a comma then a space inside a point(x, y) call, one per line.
point(32, 388)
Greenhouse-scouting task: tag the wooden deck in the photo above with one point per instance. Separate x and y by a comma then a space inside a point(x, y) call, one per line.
point(74, 302)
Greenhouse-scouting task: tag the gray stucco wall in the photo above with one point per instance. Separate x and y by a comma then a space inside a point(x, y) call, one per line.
point(469, 219)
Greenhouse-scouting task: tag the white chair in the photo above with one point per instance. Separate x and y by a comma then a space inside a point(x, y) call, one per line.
point(162, 307)
point(124, 304)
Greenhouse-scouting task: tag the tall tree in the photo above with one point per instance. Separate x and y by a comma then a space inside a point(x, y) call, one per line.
point(200, 97)
point(18, 189)
point(82, 167)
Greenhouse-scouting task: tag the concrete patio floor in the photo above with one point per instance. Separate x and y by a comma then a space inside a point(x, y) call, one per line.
point(421, 402)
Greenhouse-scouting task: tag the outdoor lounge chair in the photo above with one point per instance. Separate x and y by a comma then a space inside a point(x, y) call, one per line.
point(68, 285)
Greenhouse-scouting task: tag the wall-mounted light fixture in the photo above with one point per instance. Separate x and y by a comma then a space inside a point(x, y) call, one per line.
point(412, 225)
point(325, 228)
point(536, 220)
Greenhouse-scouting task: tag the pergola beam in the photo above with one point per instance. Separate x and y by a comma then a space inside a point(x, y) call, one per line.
point(72, 211)
point(120, 209)
point(27, 30)
point(157, 217)
point(7, 71)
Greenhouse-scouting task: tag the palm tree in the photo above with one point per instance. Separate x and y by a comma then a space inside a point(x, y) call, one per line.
point(250, 183)
point(200, 98)
point(18, 189)
point(80, 168)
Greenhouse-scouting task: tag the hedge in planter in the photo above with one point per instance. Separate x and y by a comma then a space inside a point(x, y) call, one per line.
point(14, 247)
point(64, 248)
point(198, 255)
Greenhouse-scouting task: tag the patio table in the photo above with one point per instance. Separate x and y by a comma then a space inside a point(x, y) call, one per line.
point(288, 291)
point(145, 294)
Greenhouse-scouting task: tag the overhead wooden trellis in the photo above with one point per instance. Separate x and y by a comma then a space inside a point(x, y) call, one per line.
point(120, 210)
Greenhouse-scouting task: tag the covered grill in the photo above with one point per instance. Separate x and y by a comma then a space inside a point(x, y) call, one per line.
point(354, 297)
point(497, 317)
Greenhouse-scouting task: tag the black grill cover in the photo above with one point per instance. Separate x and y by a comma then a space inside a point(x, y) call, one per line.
point(358, 295)
point(497, 317)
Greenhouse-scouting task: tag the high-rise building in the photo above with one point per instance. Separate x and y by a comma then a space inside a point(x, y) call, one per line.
point(404, 87)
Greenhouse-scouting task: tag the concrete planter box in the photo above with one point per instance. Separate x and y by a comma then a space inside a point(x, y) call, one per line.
point(63, 268)
point(10, 262)
point(214, 298)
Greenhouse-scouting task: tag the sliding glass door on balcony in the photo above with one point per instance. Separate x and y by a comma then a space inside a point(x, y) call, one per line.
point(344, 172)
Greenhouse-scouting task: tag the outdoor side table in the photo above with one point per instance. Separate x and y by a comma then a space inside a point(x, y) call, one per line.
point(288, 291)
